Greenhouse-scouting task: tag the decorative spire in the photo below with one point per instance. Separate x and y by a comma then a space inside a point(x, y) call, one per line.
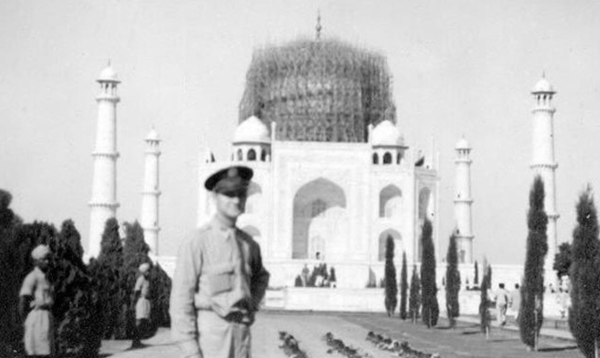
point(319, 27)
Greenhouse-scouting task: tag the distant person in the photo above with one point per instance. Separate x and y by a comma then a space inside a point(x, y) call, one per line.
point(502, 298)
point(332, 278)
point(219, 280)
point(564, 302)
point(515, 306)
point(142, 305)
point(35, 302)
point(305, 273)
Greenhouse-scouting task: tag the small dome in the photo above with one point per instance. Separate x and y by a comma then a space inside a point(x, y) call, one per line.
point(153, 135)
point(108, 74)
point(386, 134)
point(462, 144)
point(252, 130)
point(543, 86)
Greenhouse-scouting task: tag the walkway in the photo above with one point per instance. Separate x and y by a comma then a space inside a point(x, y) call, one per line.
point(309, 327)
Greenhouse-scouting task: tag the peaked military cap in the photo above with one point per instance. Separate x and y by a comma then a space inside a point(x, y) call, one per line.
point(229, 180)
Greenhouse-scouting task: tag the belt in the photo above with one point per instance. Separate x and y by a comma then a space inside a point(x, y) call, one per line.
point(42, 308)
point(238, 317)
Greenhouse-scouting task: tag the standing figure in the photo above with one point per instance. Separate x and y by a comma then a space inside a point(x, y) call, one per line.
point(219, 280)
point(142, 305)
point(304, 276)
point(503, 299)
point(35, 303)
point(516, 302)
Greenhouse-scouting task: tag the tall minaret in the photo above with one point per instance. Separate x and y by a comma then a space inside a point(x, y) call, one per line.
point(543, 162)
point(104, 188)
point(151, 193)
point(463, 202)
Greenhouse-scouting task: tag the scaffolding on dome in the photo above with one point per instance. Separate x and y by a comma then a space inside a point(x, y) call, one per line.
point(322, 91)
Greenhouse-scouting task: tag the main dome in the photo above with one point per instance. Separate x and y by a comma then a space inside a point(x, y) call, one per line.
point(320, 90)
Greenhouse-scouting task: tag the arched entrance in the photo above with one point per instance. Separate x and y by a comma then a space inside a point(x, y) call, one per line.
point(390, 202)
point(398, 244)
point(425, 210)
point(319, 210)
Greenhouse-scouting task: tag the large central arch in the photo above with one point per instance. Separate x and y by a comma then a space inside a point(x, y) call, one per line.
point(319, 207)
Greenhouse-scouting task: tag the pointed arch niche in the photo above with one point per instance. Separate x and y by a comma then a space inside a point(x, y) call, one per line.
point(390, 202)
point(398, 244)
point(425, 210)
point(319, 218)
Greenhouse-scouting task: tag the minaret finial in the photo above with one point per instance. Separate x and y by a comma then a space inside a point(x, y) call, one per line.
point(108, 63)
point(319, 27)
point(544, 74)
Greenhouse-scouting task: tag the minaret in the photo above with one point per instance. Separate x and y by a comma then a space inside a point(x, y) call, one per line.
point(463, 202)
point(151, 193)
point(543, 163)
point(104, 188)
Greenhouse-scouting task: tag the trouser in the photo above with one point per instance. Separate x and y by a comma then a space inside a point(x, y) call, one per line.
point(219, 338)
point(39, 333)
point(141, 324)
point(501, 313)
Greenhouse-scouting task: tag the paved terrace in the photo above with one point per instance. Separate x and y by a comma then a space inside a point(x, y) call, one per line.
point(309, 327)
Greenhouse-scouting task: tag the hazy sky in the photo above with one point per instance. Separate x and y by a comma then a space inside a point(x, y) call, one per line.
point(459, 68)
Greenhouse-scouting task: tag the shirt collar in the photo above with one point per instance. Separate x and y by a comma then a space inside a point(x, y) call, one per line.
point(221, 227)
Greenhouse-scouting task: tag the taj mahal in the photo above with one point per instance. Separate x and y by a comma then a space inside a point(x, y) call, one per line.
point(333, 174)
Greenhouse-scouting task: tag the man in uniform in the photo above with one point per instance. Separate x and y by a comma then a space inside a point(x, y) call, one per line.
point(142, 304)
point(36, 300)
point(219, 280)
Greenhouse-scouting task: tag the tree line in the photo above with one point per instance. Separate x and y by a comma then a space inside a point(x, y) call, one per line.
point(580, 260)
point(93, 301)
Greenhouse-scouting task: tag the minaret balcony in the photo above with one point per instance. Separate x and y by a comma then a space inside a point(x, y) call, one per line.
point(105, 204)
point(544, 165)
point(113, 155)
point(151, 192)
point(548, 109)
point(461, 200)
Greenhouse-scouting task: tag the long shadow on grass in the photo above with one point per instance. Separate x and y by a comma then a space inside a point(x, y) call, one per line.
point(468, 333)
point(558, 349)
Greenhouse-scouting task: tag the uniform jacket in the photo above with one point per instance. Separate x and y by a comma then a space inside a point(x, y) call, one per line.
point(218, 269)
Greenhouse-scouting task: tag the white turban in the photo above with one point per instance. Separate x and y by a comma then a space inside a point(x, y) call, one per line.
point(40, 252)
point(144, 267)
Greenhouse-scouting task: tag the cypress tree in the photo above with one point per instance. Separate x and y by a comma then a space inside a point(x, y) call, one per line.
point(10, 329)
point(414, 301)
point(403, 287)
point(563, 259)
point(391, 286)
point(532, 290)
point(452, 282)
point(160, 292)
point(430, 310)
point(76, 309)
point(135, 253)
point(106, 271)
point(476, 274)
point(484, 303)
point(584, 315)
